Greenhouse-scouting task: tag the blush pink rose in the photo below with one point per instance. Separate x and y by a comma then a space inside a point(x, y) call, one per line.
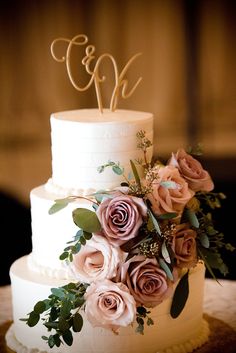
point(97, 260)
point(109, 305)
point(169, 199)
point(146, 281)
point(121, 217)
point(184, 246)
point(192, 171)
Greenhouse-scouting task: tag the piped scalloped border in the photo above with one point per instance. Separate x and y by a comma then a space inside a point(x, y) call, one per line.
point(52, 188)
point(186, 347)
point(62, 273)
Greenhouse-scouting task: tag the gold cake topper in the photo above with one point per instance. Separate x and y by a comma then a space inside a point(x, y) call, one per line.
point(121, 83)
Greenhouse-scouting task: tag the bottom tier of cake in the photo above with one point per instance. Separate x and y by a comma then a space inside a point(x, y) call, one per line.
point(183, 334)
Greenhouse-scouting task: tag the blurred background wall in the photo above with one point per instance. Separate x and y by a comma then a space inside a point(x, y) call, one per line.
point(187, 65)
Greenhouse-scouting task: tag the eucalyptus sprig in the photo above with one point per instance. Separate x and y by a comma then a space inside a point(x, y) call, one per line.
point(141, 316)
point(88, 223)
point(61, 313)
point(143, 143)
point(209, 243)
point(116, 167)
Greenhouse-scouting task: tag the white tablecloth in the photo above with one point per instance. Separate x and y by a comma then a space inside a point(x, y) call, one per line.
point(219, 301)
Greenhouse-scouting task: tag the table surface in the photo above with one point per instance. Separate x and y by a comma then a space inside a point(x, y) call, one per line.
point(219, 301)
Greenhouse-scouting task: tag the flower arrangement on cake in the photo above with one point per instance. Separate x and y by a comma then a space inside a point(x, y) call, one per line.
point(133, 245)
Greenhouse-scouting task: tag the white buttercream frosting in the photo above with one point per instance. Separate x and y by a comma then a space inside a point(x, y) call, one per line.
point(183, 334)
point(50, 233)
point(82, 140)
point(60, 191)
point(185, 347)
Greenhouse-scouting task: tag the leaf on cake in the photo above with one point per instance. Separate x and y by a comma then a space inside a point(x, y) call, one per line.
point(191, 217)
point(57, 206)
point(86, 220)
point(180, 296)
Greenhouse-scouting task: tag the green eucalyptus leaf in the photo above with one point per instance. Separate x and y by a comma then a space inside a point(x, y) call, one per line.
point(33, 319)
point(168, 184)
point(73, 249)
point(51, 341)
point(79, 302)
point(166, 268)
point(165, 253)
point(51, 325)
point(192, 218)
point(70, 257)
point(141, 310)
point(63, 325)
point(150, 322)
point(68, 338)
point(57, 340)
point(64, 255)
point(70, 286)
point(78, 247)
point(117, 170)
point(204, 240)
point(57, 206)
point(135, 173)
point(101, 169)
point(154, 222)
point(180, 296)
point(77, 322)
point(168, 215)
point(82, 240)
point(139, 329)
point(39, 307)
point(140, 320)
point(102, 196)
point(86, 220)
point(87, 235)
point(53, 313)
point(58, 292)
point(65, 308)
point(78, 234)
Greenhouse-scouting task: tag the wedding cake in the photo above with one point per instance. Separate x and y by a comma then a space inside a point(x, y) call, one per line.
point(119, 241)
point(82, 141)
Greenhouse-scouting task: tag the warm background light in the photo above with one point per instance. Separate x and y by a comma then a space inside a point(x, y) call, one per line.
point(189, 83)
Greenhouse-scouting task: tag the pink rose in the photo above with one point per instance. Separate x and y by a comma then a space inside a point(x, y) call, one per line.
point(121, 217)
point(97, 260)
point(192, 171)
point(184, 246)
point(109, 305)
point(166, 199)
point(146, 281)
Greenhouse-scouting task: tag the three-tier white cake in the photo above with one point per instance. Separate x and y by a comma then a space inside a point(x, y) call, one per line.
point(83, 140)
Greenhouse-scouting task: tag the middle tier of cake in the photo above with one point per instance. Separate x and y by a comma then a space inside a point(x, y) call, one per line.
point(51, 232)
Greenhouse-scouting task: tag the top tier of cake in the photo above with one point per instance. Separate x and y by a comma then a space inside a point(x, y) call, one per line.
point(82, 140)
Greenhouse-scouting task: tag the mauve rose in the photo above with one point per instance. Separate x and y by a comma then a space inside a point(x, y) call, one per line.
point(109, 305)
point(184, 246)
point(169, 199)
point(121, 217)
point(97, 260)
point(146, 281)
point(192, 171)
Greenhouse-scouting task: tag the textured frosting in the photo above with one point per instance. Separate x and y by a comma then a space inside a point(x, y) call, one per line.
point(50, 233)
point(182, 334)
point(82, 140)
point(186, 347)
